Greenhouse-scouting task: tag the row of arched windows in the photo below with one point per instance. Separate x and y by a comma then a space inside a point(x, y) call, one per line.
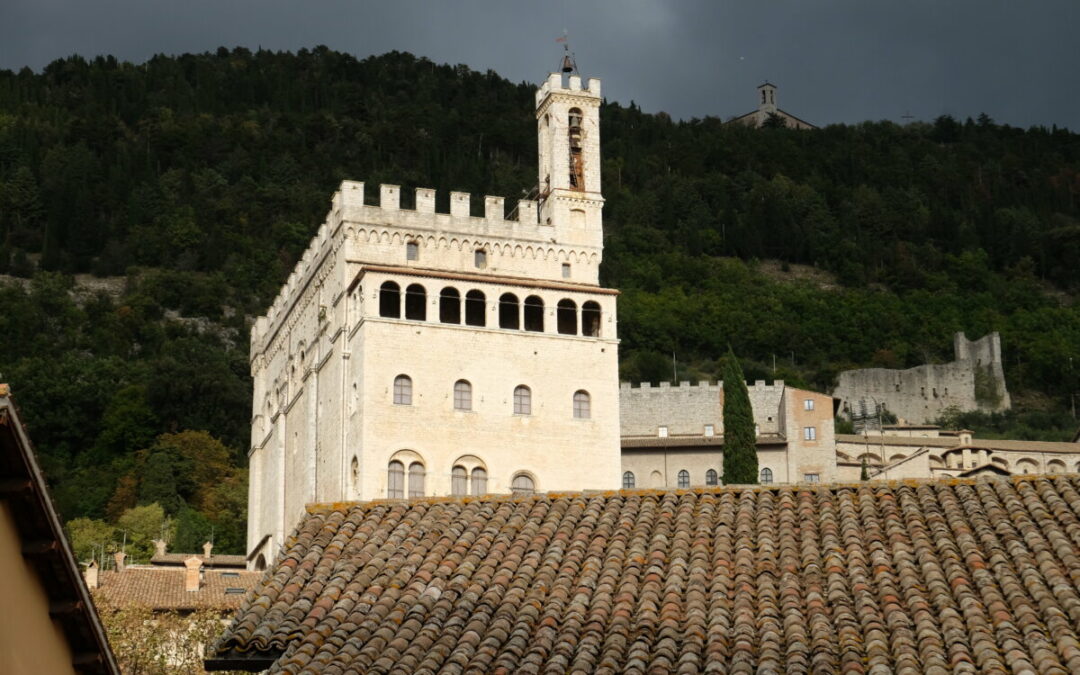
point(513, 314)
point(463, 396)
point(629, 481)
point(400, 483)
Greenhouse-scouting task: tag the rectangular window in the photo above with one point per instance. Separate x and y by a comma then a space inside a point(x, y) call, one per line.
point(566, 270)
point(809, 433)
point(811, 478)
point(662, 432)
point(412, 251)
point(480, 258)
point(808, 404)
point(710, 430)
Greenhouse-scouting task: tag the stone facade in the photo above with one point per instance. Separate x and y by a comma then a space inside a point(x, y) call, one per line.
point(667, 430)
point(974, 381)
point(949, 454)
point(767, 108)
point(416, 353)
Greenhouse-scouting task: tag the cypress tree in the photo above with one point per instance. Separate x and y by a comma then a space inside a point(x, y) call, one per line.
point(864, 472)
point(740, 443)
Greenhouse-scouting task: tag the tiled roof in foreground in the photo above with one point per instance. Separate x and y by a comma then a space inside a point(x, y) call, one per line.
point(934, 577)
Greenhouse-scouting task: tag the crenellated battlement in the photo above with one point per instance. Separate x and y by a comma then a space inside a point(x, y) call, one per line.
point(349, 204)
point(700, 386)
point(555, 84)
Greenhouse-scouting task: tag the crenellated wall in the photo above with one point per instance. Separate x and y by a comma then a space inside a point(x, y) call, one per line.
point(687, 409)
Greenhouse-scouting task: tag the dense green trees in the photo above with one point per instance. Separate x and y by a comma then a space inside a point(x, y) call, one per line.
point(195, 182)
point(740, 436)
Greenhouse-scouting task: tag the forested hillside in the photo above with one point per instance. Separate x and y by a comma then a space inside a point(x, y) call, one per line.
point(192, 184)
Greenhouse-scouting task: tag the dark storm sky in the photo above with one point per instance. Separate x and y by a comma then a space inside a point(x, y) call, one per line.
point(834, 60)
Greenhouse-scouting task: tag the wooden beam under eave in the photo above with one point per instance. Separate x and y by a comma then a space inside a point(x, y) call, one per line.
point(40, 547)
point(14, 486)
point(65, 607)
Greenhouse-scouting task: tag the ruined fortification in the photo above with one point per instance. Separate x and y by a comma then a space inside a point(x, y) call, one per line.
point(974, 381)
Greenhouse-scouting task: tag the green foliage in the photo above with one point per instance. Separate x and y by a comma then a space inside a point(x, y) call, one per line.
point(740, 439)
point(843, 425)
point(192, 530)
point(864, 470)
point(1053, 424)
point(90, 537)
point(141, 526)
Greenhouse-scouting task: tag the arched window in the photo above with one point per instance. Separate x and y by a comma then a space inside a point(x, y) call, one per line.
point(522, 400)
point(475, 309)
point(416, 480)
point(534, 314)
point(462, 395)
point(395, 480)
point(479, 481)
point(390, 300)
point(402, 390)
point(582, 405)
point(628, 480)
point(449, 305)
point(577, 164)
point(711, 477)
point(412, 250)
point(416, 303)
point(508, 311)
point(567, 317)
point(590, 319)
point(684, 478)
point(260, 563)
point(354, 473)
point(459, 481)
point(766, 476)
point(522, 485)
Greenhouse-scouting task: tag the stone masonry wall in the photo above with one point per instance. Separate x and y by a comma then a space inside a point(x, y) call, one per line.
point(921, 394)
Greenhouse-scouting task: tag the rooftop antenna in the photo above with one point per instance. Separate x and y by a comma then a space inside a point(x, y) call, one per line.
point(907, 116)
point(569, 64)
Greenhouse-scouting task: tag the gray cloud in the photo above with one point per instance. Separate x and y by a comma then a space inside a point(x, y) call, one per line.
point(834, 60)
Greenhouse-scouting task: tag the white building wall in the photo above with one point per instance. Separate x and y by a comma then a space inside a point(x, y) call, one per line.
point(323, 360)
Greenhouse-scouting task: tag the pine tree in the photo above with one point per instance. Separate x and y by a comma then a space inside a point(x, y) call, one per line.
point(740, 444)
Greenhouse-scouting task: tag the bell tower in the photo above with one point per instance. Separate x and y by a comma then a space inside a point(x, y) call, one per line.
point(568, 135)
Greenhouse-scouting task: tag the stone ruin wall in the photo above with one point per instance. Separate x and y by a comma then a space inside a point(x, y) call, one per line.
point(919, 395)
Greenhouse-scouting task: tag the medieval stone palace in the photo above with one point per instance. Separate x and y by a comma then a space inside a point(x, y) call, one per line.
point(415, 353)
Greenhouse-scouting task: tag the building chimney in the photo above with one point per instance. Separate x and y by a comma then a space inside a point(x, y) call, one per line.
point(159, 547)
point(91, 574)
point(206, 549)
point(192, 576)
point(119, 556)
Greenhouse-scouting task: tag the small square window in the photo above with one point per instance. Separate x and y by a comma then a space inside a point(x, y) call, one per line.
point(811, 478)
point(566, 270)
point(662, 432)
point(808, 404)
point(480, 258)
point(809, 433)
point(710, 430)
point(412, 251)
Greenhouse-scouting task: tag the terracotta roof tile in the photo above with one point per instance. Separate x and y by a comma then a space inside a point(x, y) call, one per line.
point(907, 577)
point(163, 589)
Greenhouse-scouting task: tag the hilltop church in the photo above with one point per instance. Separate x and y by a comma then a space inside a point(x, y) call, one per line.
point(413, 353)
